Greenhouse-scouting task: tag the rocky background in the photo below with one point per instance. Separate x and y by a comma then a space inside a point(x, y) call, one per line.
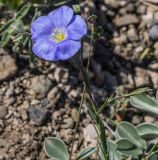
point(42, 99)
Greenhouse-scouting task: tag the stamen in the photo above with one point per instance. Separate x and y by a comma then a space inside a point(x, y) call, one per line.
point(58, 35)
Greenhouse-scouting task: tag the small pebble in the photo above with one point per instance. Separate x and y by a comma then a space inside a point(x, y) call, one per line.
point(153, 32)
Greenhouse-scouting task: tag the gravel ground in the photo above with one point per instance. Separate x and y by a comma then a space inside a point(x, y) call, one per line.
point(41, 100)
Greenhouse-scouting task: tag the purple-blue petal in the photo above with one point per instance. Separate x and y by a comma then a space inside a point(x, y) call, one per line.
point(62, 16)
point(45, 49)
point(67, 49)
point(42, 26)
point(77, 29)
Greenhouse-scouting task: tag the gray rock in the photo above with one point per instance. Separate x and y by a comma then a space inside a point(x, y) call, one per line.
point(24, 115)
point(97, 68)
point(149, 119)
point(2, 157)
point(4, 145)
point(75, 114)
point(74, 93)
point(3, 112)
point(153, 1)
point(61, 75)
point(112, 3)
point(153, 73)
point(35, 102)
point(10, 91)
point(153, 32)
point(2, 125)
point(122, 39)
point(10, 101)
point(136, 119)
point(110, 83)
point(141, 77)
point(126, 20)
point(68, 123)
point(54, 95)
point(8, 67)
point(99, 94)
point(141, 9)
point(67, 135)
point(131, 8)
point(132, 34)
point(90, 132)
point(38, 115)
point(86, 50)
point(40, 86)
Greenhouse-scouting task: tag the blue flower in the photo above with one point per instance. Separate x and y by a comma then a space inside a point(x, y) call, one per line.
point(57, 36)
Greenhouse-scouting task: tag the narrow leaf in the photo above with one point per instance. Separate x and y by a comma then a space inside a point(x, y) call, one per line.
point(157, 95)
point(86, 152)
point(23, 11)
point(153, 156)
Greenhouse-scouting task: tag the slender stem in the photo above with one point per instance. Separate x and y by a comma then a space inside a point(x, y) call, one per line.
point(152, 149)
point(89, 54)
point(24, 33)
point(109, 128)
point(81, 53)
point(77, 124)
point(99, 128)
point(113, 99)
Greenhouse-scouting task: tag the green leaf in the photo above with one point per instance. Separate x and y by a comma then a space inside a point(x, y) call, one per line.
point(86, 152)
point(23, 11)
point(145, 103)
point(76, 8)
point(6, 25)
point(113, 153)
point(85, 77)
point(56, 149)
point(59, 2)
point(147, 130)
point(13, 24)
point(153, 156)
point(126, 147)
point(12, 4)
point(128, 131)
point(157, 94)
point(101, 155)
point(4, 39)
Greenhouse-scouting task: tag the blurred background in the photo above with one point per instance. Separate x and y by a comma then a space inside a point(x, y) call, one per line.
point(39, 99)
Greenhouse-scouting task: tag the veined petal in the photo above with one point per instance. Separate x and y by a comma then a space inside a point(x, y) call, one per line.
point(41, 26)
point(77, 29)
point(67, 49)
point(61, 16)
point(45, 49)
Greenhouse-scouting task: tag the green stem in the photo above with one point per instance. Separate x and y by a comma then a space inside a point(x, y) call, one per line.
point(99, 129)
point(77, 124)
point(90, 50)
point(24, 33)
point(152, 149)
point(107, 101)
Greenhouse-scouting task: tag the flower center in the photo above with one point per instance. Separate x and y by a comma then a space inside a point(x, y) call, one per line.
point(59, 36)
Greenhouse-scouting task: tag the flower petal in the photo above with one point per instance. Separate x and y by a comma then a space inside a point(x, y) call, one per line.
point(67, 49)
point(61, 16)
point(77, 28)
point(41, 26)
point(45, 49)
